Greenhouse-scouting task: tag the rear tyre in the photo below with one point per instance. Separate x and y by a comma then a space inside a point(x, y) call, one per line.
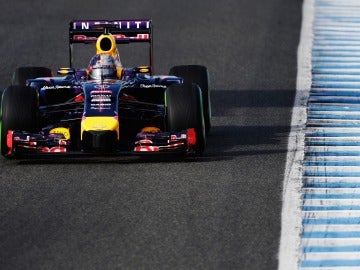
point(19, 111)
point(184, 110)
point(22, 74)
point(199, 75)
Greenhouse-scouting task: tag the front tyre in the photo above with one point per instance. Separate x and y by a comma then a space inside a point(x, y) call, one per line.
point(19, 111)
point(184, 110)
point(199, 75)
point(22, 74)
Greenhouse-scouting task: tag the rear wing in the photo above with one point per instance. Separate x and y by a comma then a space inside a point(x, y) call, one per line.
point(124, 32)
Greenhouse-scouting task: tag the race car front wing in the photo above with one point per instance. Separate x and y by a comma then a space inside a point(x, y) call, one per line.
point(19, 143)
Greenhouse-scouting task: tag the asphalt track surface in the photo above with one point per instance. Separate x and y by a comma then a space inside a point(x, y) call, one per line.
point(221, 211)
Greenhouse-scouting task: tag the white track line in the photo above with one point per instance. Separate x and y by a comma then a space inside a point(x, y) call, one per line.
point(289, 253)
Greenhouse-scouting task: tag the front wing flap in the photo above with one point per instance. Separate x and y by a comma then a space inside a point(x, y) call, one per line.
point(183, 141)
point(24, 142)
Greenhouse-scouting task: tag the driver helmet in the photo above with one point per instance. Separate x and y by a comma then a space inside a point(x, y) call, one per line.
point(102, 66)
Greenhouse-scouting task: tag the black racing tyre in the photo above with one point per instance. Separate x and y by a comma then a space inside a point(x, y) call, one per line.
point(22, 74)
point(19, 111)
point(199, 75)
point(184, 110)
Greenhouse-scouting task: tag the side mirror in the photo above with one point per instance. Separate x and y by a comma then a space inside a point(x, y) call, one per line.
point(143, 69)
point(66, 71)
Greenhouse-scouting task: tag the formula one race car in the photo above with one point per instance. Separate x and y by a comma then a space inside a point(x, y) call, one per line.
point(106, 108)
